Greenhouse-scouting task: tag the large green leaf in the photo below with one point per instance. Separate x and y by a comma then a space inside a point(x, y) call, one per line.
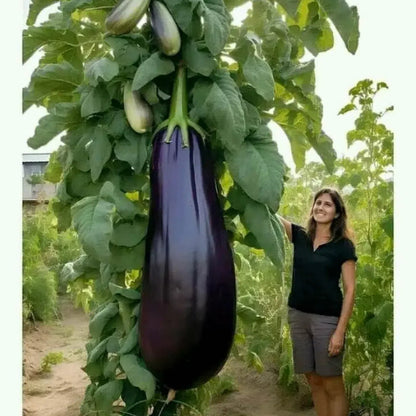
point(130, 258)
point(126, 51)
point(61, 117)
point(345, 19)
point(129, 234)
point(185, 14)
point(157, 64)
point(131, 340)
point(97, 351)
point(132, 149)
point(126, 208)
point(100, 319)
point(218, 103)
point(216, 24)
point(100, 69)
point(258, 168)
point(128, 293)
point(259, 74)
point(137, 375)
point(93, 221)
point(257, 219)
point(36, 6)
point(36, 37)
point(106, 395)
point(99, 152)
point(324, 148)
point(197, 57)
point(94, 100)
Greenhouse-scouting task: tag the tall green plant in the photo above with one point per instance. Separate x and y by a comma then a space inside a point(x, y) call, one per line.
point(240, 78)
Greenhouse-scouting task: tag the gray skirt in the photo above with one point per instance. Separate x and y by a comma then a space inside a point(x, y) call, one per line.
point(310, 335)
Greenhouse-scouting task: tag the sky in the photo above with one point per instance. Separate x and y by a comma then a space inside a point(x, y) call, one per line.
point(384, 54)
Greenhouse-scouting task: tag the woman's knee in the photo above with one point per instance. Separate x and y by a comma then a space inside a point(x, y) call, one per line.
point(333, 386)
point(315, 381)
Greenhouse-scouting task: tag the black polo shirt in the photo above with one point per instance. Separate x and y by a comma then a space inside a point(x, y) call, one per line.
point(316, 274)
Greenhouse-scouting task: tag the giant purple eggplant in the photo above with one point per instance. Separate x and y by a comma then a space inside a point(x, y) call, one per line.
point(188, 307)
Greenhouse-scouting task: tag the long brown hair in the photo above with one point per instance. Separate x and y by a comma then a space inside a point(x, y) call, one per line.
point(339, 227)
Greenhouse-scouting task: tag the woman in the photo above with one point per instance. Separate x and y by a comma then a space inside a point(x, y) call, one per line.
point(318, 312)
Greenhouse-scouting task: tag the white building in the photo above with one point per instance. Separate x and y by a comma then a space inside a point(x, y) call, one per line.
point(34, 189)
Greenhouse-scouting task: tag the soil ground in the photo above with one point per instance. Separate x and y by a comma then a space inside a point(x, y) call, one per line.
point(60, 391)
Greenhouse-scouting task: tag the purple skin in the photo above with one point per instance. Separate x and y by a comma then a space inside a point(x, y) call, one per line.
point(188, 307)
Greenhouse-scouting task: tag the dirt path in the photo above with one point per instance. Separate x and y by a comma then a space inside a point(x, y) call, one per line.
point(61, 391)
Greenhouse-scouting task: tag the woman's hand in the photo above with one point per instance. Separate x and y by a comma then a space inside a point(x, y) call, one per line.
point(336, 343)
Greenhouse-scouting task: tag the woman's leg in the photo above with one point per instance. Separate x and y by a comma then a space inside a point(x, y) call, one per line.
point(335, 395)
point(319, 396)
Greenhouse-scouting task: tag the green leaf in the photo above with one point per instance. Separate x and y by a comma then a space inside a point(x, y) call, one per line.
point(36, 6)
point(157, 64)
point(259, 74)
point(100, 319)
point(100, 69)
point(387, 225)
point(53, 170)
point(36, 37)
point(126, 208)
point(94, 100)
point(93, 221)
point(62, 116)
point(345, 19)
point(258, 168)
point(185, 15)
point(62, 212)
point(198, 58)
point(252, 116)
point(110, 367)
point(126, 52)
point(216, 24)
point(97, 351)
point(346, 108)
point(324, 147)
point(129, 234)
point(249, 315)
point(132, 149)
point(106, 395)
point(257, 219)
point(114, 121)
point(128, 257)
point(99, 152)
point(61, 77)
point(218, 103)
point(137, 375)
point(131, 340)
point(122, 291)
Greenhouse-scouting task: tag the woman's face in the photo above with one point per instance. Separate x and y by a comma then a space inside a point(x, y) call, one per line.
point(323, 209)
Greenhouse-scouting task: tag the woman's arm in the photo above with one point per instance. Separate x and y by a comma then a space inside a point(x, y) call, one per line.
point(288, 227)
point(348, 280)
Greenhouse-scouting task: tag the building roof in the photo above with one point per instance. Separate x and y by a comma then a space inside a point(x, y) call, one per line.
point(36, 157)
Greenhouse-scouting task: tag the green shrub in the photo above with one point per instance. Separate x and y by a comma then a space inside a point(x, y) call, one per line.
point(39, 293)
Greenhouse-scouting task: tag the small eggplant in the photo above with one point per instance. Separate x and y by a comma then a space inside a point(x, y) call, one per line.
point(125, 16)
point(138, 112)
point(165, 29)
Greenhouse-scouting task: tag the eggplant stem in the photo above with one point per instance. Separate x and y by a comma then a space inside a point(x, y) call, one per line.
point(178, 113)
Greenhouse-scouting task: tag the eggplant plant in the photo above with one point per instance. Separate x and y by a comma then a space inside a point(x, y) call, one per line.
point(240, 78)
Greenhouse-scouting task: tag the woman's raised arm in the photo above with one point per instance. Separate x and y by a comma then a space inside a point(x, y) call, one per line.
point(288, 227)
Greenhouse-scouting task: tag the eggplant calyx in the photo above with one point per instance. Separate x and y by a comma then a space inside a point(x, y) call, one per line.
point(178, 115)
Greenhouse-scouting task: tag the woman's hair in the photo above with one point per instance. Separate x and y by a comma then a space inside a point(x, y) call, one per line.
point(339, 227)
